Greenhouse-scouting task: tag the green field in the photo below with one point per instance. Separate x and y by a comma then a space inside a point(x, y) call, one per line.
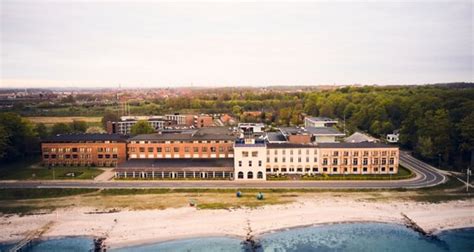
point(31, 170)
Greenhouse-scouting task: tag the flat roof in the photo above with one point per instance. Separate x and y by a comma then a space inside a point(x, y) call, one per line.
point(181, 164)
point(321, 119)
point(86, 137)
point(275, 137)
point(210, 133)
point(317, 131)
point(324, 131)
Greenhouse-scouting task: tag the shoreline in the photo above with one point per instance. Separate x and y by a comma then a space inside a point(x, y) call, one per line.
point(141, 227)
point(257, 236)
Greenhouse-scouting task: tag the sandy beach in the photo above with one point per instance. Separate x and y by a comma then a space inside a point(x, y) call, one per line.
point(125, 228)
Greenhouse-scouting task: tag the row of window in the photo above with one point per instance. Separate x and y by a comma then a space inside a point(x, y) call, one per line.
point(355, 161)
point(80, 149)
point(364, 153)
point(251, 163)
point(182, 142)
point(240, 175)
point(326, 169)
point(76, 156)
point(186, 149)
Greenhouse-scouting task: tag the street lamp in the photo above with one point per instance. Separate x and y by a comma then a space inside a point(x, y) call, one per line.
point(468, 174)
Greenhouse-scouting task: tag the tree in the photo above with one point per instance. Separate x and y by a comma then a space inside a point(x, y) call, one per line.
point(141, 127)
point(17, 137)
point(109, 116)
point(78, 126)
point(425, 147)
point(4, 142)
point(60, 128)
point(41, 131)
point(95, 129)
point(236, 110)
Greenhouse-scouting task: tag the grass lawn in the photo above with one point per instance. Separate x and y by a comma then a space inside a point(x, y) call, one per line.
point(31, 170)
point(26, 201)
point(403, 173)
point(63, 119)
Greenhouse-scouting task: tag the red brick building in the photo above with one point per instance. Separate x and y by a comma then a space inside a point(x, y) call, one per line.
point(84, 150)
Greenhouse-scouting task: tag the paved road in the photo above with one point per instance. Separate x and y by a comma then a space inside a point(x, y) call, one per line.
point(426, 176)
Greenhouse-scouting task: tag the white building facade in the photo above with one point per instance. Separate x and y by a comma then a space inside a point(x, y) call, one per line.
point(249, 160)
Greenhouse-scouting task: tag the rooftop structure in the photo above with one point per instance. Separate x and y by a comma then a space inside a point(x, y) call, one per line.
point(319, 122)
point(359, 137)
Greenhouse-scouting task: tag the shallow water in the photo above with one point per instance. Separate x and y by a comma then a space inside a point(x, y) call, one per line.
point(363, 237)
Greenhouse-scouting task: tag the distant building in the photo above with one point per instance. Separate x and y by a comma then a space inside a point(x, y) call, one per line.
point(250, 129)
point(319, 122)
point(394, 137)
point(311, 134)
point(202, 121)
point(126, 123)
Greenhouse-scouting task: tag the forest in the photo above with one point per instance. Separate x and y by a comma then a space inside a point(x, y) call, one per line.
point(436, 122)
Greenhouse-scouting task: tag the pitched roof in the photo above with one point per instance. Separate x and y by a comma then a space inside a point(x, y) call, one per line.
point(86, 137)
point(329, 145)
point(359, 137)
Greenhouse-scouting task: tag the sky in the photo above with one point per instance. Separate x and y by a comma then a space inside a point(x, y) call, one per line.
point(162, 44)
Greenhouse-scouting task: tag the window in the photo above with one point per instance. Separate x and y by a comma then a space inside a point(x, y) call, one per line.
point(366, 153)
point(299, 169)
point(204, 149)
point(240, 175)
point(213, 149)
point(291, 159)
point(325, 161)
point(260, 175)
point(283, 151)
point(254, 153)
point(107, 155)
point(391, 169)
point(74, 149)
point(283, 159)
point(355, 169)
point(355, 161)
point(376, 161)
point(240, 163)
point(307, 159)
point(186, 149)
point(315, 169)
point(356, 153)
point(195, 149)
point(46, 156)
point(325, 169)
point(114, 155)
point(315, 159)
point(175, 149)
point(250, 175)
point(268, 159)
point(275, 152)
point(259, 162)
point(276, 159)
point(150, 149)
point(167, 149)
point(334, 169)
point(250, 163)
point(159, 149)
point(142, 149)
point(365, 161)
point(100, 156)
point(245, 153)
point(221, 149)
point(364, 169)
point(282, 169)
point(334, 161)
point(336, 153)
point(299, 151)
point(384, 161)
point(299, 159)
point(391, 161)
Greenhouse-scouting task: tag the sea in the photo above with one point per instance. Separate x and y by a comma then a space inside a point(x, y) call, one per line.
point(353, 237)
